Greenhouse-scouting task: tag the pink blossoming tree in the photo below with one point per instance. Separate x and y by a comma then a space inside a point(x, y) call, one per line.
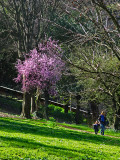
point(41, 69)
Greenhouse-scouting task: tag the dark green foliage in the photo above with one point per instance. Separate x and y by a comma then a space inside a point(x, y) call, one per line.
point(59, 115)
point(8, 52)
point(7, 69)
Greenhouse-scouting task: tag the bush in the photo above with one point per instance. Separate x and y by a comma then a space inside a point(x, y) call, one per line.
point(58, 113)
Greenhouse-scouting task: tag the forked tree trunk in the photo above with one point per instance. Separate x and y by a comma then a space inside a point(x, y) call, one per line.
point(26, 106)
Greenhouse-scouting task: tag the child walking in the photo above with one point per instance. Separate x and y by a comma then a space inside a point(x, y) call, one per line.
point(96, 127)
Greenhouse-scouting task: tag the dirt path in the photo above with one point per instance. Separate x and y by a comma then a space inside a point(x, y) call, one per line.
point(5, 114)
point(85, 131)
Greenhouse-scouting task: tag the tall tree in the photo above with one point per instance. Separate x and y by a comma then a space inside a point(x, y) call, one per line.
point(41, 70)
point(98, 41)
point(28, 18)
point(25, 23)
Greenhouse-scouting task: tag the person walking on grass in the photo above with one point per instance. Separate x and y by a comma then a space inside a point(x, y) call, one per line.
point(96, 127)
point(102, 120)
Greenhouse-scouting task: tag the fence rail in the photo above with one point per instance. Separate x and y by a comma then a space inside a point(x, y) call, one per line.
point(19, 95)
point(11, 92)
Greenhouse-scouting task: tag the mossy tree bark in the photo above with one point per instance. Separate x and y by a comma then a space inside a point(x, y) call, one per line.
point(26, 106)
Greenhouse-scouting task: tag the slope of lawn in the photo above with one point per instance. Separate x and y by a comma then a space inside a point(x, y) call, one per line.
point(39, 140)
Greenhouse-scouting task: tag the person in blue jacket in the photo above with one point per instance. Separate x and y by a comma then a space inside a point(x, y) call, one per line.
point(102, 120)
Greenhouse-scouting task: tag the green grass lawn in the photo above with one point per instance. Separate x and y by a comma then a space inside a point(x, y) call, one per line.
point(38, 140)
point(108, 131)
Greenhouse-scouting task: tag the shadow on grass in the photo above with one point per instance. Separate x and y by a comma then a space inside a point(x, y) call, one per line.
point(79, 153)
point(29, 144)
point(17, 126)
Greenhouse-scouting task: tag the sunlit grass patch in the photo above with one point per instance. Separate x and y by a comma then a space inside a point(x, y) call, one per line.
point(35, 139)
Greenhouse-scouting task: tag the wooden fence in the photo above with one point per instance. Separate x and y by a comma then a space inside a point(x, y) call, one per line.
point(19, 95)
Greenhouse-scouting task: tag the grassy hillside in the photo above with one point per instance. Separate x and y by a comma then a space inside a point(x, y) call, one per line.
point(41, 140)
point(10, 105)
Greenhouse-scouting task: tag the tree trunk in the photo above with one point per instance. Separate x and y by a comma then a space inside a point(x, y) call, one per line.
point(66, 108)
point(26, 105)
point(38, 99)
point(33, 105)
point(46, 104)
point(117, 119)
point(95, 110)
point(116, 115)
point(89, 118)
point(77, 115)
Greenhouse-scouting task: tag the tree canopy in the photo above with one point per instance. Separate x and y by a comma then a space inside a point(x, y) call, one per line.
point(42, 67)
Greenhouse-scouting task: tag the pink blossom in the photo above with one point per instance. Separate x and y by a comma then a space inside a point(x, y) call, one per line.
point(43, 67)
